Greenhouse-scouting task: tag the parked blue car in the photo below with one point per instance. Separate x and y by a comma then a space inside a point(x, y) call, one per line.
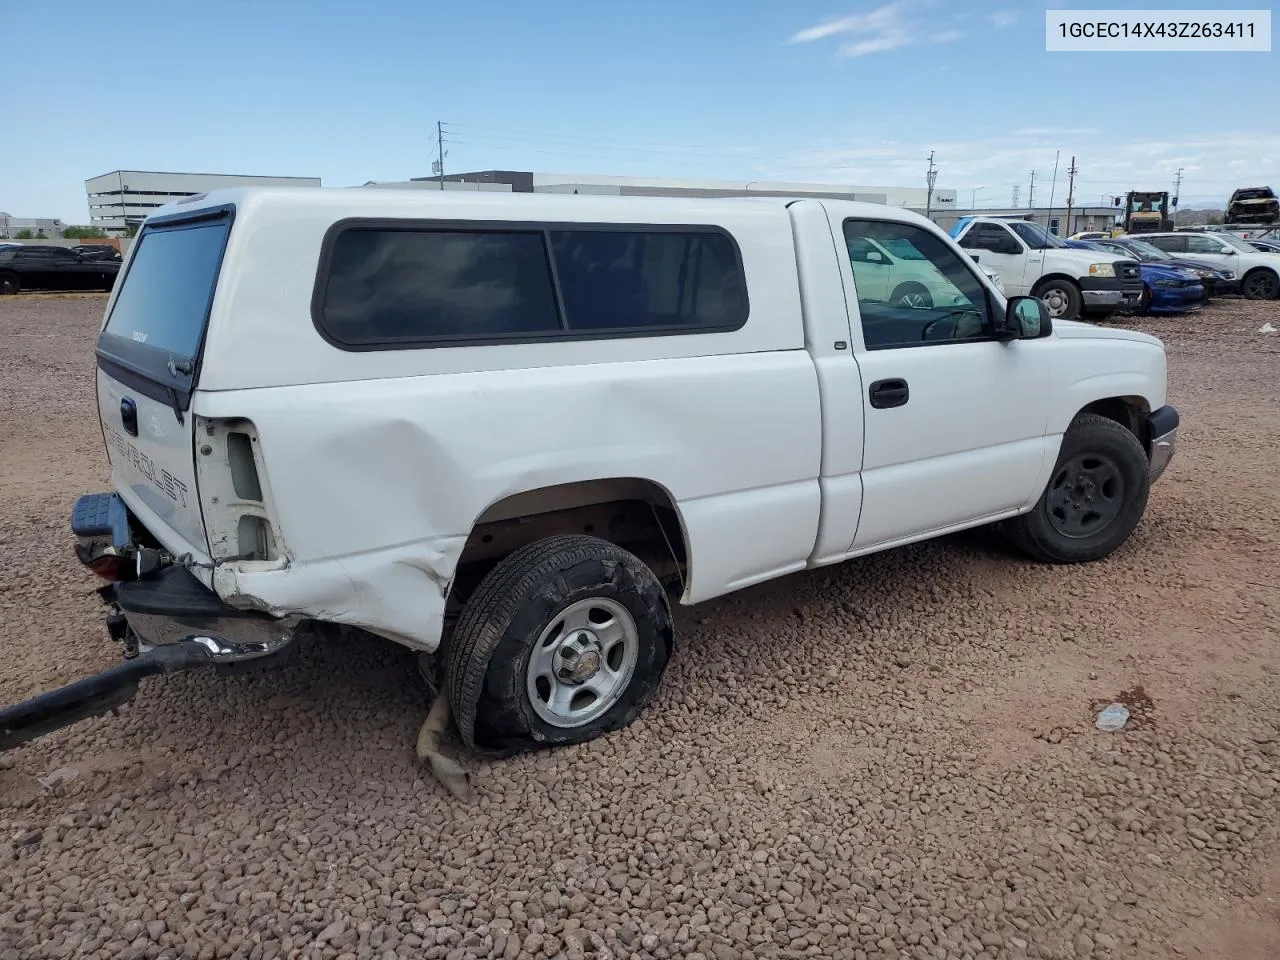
point(1165, 289)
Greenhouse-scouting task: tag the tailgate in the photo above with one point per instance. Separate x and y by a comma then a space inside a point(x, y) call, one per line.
point(151, 459)
point(148, 363)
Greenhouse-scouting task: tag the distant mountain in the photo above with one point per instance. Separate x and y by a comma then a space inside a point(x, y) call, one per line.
point(1191, 217)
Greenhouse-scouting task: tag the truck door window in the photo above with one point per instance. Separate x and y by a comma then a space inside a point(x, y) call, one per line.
point(992, 237)
point(930, 297)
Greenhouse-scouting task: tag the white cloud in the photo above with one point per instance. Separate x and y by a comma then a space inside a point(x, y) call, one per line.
point(1055, 131)
point(883, 41)
point(887, 17)
point(893, 26)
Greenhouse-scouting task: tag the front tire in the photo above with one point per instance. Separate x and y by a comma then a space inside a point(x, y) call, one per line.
point(1094, 499)
point(1260, 284)
point(1061, 298)
point(9, 283)
point(564, 640)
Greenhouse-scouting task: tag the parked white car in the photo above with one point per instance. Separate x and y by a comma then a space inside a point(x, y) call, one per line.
point(516, 429)
point(1030, 260)
point(1258, 271)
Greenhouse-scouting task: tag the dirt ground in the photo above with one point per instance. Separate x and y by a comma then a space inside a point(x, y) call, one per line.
point(891, 757)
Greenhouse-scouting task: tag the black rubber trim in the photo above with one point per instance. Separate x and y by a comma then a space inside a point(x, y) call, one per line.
point(175, 593)
point(1161, 421)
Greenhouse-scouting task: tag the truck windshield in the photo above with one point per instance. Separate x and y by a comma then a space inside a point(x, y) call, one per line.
point(158, 319)
point(1035, 236)
point(1236, 242)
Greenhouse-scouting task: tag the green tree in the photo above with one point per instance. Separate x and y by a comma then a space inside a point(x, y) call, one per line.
point(83, 233)
point(41, 235)
point(24, 234)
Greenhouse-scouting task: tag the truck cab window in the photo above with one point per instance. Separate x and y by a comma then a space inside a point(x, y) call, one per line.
point(912, 288)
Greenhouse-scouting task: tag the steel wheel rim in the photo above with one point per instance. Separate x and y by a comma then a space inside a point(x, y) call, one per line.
point(1085, 495)
point(917, 301)
point(582, 662)
point(1055, 301)
point(8, 285)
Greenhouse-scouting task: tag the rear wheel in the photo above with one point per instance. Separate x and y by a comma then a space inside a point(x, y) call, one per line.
point(1260, 284)
point(563, 640)
point(1061, 298)
point(9, 283)
point(1094, 499)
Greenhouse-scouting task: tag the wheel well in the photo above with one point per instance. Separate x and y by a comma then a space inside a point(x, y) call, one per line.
point(634, 513)
point(1129, 412)
point(1041, 281)
point(1271, 270)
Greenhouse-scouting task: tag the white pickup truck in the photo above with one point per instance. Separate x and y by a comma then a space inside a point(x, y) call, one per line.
point(516, 429)
point(1031, 260)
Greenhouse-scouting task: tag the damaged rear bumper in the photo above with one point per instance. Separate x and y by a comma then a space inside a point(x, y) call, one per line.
point(166, 619)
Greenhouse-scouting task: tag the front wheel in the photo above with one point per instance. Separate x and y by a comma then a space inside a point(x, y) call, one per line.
point(565, 639)
point(1260, 284)
point(1061, 298)
point(1094, 499)
point(9, 283)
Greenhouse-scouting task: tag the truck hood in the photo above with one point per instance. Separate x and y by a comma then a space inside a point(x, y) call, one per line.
point(1079, 330)
point(1068, 258)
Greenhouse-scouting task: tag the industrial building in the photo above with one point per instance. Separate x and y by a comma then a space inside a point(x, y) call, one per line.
point(124, 198)
point(1054, 219)
point(520, 181)
point(11, 226)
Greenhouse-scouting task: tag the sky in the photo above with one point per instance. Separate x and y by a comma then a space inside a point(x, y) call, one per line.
point(832, 91)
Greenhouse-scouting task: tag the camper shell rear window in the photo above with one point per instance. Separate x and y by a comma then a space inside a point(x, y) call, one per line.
point(155, 332)
point(388, 284)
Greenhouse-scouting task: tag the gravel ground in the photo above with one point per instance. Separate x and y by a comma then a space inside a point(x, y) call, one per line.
point(892, 757)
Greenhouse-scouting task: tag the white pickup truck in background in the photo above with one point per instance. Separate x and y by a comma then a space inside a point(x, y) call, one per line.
point(1031, 260)
point(515, 429)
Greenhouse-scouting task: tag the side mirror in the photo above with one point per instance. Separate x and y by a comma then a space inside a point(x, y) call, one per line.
point(874, 256)
point(1025, 318)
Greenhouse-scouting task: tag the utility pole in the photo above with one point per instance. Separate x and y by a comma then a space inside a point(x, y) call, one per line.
point(1031, 194)
point(1071, 192)
point(1053, 186)
point(440, 148)
point(930, 178)
point(1013, 201)
point(1177, 188)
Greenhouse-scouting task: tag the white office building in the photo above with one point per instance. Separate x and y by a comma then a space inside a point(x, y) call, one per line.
point(123, 198)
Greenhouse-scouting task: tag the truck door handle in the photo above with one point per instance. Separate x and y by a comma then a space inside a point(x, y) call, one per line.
point(889, 393)
point(129, 416)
